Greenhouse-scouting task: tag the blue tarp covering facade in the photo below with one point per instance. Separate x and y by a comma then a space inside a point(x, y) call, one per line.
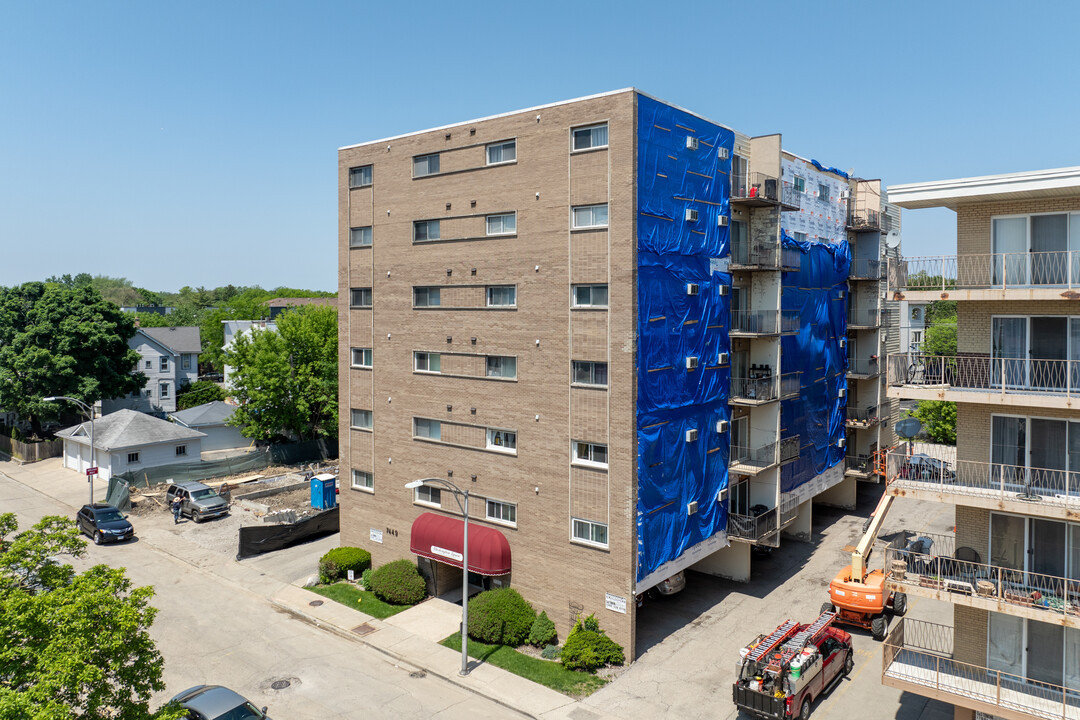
point(673, 325)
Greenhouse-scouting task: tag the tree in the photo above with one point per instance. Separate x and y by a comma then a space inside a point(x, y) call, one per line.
point(286, 381)
point(198, 393)
point(58, 339)
point(938, 419)
point(72, 645)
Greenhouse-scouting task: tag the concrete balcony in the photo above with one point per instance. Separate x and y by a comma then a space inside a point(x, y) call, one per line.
point(863, 368)
point(864, 220)
point(985, 380)
point(1049, 493)
point(988, 276)
point(861, 418)
point(763, 323)
point(859, 466)
point(917, 657)
point(755, 189)
point(769, 257)
point(759, 391)
point(751, 461)
point(867, 269)
point(931, 566)
point(790, 449)
point(863, 318)
point(762, 528)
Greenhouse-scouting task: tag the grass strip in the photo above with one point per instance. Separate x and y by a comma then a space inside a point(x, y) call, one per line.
point(544, 672)
point(352, 596)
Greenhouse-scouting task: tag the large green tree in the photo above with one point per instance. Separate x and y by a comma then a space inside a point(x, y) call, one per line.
point(58, 339)
point(938, 419)
point(73, 646)
point(286, 381)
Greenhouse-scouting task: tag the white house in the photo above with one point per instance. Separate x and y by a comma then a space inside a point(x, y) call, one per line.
point(129, 440)
point(235, 328)
point(912, 326)
point(169, 357)
point(211, 418)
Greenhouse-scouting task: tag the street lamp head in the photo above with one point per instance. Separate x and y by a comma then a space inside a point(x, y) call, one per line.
point(51, 398)
point(414, 484)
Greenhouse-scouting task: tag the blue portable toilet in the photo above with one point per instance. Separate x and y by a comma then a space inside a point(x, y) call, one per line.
point(324, 491)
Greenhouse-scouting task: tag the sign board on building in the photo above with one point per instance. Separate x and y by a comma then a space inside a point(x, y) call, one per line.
point(614, 602)
point(91, 471)
point(376, 535)
point(436, 550)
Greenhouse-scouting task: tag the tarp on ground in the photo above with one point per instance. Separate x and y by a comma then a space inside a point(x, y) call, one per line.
point(260, 539)
point(674, 250)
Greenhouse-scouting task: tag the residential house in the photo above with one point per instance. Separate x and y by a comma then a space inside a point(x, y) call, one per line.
point(236, 328)
point(127, 440)
point(212, 419)
point(169, 357)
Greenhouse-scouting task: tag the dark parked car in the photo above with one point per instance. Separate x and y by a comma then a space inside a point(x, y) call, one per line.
point(104, 523)
point(214, 702)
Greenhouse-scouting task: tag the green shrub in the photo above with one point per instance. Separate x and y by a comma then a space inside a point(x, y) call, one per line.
point(198, 393)
point(551, 652)
point(337, 563)
point(500, 617)
point(398, 583)
point(587, 647)
point(365, 578)
point(542, 632)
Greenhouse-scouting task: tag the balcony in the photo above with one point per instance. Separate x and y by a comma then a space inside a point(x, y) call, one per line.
point(760, 528)
point(985, 380)
point(863, 318)
point(991, 276)
point(1045, 492)
point(747, 255)
point(866, 269)
point(790, 198)
point(790, 449)
point(763, 323)
point(863, 368)
point(789, 509)
point(790, 259)
point(861, 418)
point(755, 189)
point(918, 658)
point(751, 461)
point(930, 566)
point(859, 466)
point(762, 390)
point(864, 220)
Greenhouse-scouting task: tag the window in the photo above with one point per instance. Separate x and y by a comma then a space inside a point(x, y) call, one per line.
point(800, 236)
point(823, 192)
point(427, 362)
point(501, 366)
point(589, 531)
point(163, 390)
point(361, 357)
point(916, 338)
point(133, 458)
point(590, 453)
point(590, 216)
point(430, 429)
point(501, 440)
point(186, 361)
point(363, 480)
point(164, 362)
point(361, 419)
point(360, 297)
point(503, 152)
point(149, 365)
point(181, 449)
point(425, 165)
point(592, 136)
point(360, 237)
point(504, 224)
point(800, 184)
point(425, 230)
point(426, 297)
point(590, 373)
point(427, 495)
point(590, 295)
point(502, 295)
point(360, 176)
point(503, 512)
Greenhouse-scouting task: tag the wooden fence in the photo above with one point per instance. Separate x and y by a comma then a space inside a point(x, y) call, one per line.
point(31, 452)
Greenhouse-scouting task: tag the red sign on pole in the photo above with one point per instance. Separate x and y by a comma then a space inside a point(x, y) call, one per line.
point(91, 471)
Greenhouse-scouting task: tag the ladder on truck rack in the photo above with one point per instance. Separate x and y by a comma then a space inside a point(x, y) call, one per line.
point(794, 646)
point(778, 636)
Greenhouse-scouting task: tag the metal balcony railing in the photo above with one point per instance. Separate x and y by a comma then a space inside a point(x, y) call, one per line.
point(1007, 376)
point(864, 366)
point(864, 219)
point(749, 461)
point(919, 654)
point(755, 186)
point(859, 464)
point(864, 317)
point(867, 269)
point(764, 322)
point(790, 196)
point(791, 258)
point(790, 447)
point(997, 481)
point(753, 527)
point(1060, 268)
point(862, 417)
point(755, 389)
point(789, 508)
point(754, 255)
point(790, 385)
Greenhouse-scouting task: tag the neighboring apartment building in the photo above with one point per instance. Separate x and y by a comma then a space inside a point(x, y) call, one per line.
point(619, 326)
point(1012, 570)
point(169, 357)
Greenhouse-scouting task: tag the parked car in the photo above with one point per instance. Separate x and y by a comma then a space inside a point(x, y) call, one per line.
point(103, 523)
point(214, 702)
point(198, 501)
point(212, 377)
point(923, 467)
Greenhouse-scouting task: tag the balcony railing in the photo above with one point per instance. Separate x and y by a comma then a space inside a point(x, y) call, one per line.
point(791, 258)
point(863, 317)
point(789, 508)
point(791, 197)
point(995, 481)
point(1007, 376)
point(931, 561)
point(859, 464)
point(755, 390)
point(764, 322)
point(862, 417)
point(864, 366)
point(864, 219)
point(867, 269)
point(1002, 271)
point(790, 385)
point(750, 461)
point(790, 447)
point(746, 254)
point(919, 654)
point(753, 527)
point(755, 187)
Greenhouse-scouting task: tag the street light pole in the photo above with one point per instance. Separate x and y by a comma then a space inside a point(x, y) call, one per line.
point(464, 563)
point(93, 450)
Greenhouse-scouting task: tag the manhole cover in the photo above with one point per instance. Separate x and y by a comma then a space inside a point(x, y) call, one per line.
point(280, 684)
point(363, 629)
point(418, 674)
point(315, 603)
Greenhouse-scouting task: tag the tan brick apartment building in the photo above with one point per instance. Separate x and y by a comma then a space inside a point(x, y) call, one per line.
point(489, 331)
point(1012, 570)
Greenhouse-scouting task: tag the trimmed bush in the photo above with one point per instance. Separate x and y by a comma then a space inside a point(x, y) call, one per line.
point(551, 652)
point(398, 583)
point(500, 617)
point(365, 579)
point(542, 632)
point(337, 563)
point(587, 647)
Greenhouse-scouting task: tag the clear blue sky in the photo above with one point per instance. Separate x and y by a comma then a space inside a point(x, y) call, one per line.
point(195, 143)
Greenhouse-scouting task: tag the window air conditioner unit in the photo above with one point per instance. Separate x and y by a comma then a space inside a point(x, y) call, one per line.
point(843, 342)
point(721, 426)
point(722, 359)
point(691, 215)
point(842, 442)
point(845, 194)
point(723, 153)
point(841, 294)
point(691, 508)
point(691, 143)
point(843, 392)
point(721, 496)
point(722, 221)
point(724, 290)
point(691, 363)
point(692, 289)
point(691, 435)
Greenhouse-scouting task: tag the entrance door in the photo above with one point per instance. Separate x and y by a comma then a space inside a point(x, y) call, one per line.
point(1046, 547)
point(1008, 452)
point(1045, 650)
point(1005, 651)
point(1049, 249)
point(1048, 455)
point(1049, 351)
point(1010, 247)
point(1009, 351)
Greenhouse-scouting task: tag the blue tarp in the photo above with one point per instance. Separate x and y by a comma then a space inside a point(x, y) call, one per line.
point(833, 170)
point(673, 325)
point(818, 291)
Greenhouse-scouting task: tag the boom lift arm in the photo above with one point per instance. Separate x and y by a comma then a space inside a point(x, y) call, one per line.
point(860, 558)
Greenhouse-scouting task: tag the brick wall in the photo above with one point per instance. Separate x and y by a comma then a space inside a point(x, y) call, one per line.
point(969, 635)
point(973, 221)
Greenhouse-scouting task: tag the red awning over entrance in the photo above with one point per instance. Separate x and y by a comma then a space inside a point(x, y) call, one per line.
point(439, 538)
